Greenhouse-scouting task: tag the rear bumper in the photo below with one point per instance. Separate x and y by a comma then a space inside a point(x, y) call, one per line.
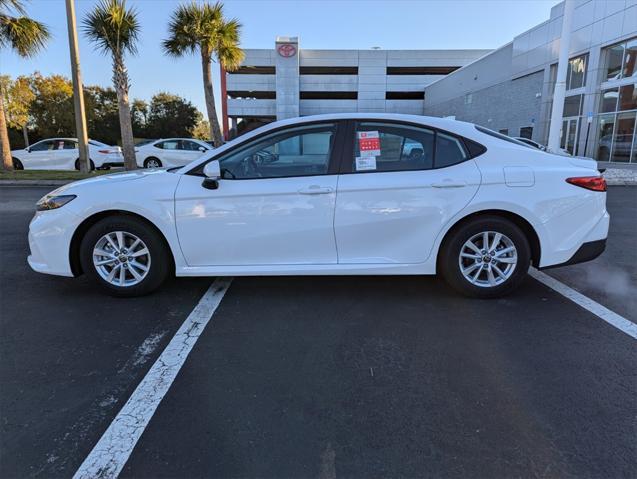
point(587, 252)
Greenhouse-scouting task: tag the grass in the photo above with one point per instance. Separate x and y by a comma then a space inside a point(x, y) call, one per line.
point(50, 174)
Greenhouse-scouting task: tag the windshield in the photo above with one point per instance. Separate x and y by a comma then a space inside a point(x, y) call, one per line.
point(500, 136)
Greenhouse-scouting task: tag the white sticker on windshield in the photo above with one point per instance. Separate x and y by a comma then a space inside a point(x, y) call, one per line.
point(365, 163)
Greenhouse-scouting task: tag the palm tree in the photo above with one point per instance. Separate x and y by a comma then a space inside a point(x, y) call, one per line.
point(115, 30)
point(26, 37)
point(202, 27)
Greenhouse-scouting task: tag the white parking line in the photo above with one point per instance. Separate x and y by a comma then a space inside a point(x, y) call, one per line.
point(585, 302)
point(111, 452)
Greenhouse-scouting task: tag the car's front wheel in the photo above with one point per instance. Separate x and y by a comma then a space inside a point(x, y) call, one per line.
point(486, 257)
point(126, 256)
point(17, 164)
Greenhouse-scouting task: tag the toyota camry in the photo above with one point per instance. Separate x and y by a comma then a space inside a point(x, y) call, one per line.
point(347, 194)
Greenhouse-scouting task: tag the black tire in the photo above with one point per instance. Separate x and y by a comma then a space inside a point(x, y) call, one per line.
point(160, 264)
point(17, 164)
point(152, 158)
point(449, 259)
point(77, 165)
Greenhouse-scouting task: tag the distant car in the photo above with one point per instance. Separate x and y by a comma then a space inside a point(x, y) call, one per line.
point(621, 147)
point(170, 152)
point(63, 154)
point(340, 194)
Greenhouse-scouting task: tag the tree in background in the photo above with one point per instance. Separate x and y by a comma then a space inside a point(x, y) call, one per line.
point(18, 97)
point(202, 130)
point(202, 28)
point(102, 114)
point(170, 116)
point(139, 115)
point(52, 109)
point(26, 37)
point(115, 30)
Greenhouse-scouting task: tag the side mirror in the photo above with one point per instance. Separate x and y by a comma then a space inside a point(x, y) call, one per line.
point(28, 149)
point(202, 149)
point(212, 170)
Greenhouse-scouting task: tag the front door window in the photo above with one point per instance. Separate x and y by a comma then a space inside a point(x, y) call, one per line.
point(303, 151)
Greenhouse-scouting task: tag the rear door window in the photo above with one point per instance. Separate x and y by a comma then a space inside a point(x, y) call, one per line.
point(392, 147)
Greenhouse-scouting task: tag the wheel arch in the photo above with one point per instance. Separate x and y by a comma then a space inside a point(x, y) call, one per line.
point(527, 228)
point(84, 226)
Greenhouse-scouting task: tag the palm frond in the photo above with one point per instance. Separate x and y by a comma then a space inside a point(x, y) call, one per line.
point(24, 35)
point(16, 6)
point(114, 28)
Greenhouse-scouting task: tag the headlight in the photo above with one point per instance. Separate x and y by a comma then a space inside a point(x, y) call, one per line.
point(53, 202)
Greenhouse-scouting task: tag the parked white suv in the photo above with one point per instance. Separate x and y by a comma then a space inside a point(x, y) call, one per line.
point(170, 152)
point(63, 154)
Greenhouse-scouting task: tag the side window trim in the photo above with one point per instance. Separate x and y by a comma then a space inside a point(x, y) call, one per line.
point(334, 160)
point(346, 156)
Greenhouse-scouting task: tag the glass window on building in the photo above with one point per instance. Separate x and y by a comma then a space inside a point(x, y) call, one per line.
point(630, 59)
point(526, 132)
point(623, 137)
point(614, 60)
point(621, 59)
point(628, 97)
point(616, 125)
point(606, 127)
point(504, 131)
point(576, 72)
point(609, 100)
point(572, 106)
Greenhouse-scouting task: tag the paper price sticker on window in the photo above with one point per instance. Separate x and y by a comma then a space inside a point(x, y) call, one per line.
point(369, 143)
point(365, 163)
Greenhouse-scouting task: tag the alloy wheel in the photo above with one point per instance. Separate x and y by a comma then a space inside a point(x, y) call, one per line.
point(121, 258)
point(488, 259)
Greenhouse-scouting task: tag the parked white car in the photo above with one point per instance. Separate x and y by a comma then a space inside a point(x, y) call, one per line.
point(170, 152)
point(332, 195)
point(63, 154)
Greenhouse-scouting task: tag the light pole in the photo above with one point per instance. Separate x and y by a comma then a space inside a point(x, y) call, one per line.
point(560, 81)
point(78, 91)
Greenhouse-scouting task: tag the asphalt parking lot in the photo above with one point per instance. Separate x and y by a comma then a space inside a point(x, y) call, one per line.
point(302, 377)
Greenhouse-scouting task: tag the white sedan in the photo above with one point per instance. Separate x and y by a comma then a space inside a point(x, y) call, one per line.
point(63, 154)
point(347, 194)
point(170, 152)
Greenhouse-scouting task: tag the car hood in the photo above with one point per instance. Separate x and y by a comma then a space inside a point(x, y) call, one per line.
point(111, 179)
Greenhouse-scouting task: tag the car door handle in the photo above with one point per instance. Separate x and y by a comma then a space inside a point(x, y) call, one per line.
point(449, 184)
point(315, 190)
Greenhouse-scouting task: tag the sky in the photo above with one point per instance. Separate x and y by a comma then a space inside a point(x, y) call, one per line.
point(324, 24)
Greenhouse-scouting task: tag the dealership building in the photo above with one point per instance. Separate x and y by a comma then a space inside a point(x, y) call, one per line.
point(509, 89)
point(288, 81)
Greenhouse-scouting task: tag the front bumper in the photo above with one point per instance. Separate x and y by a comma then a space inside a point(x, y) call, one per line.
point(50, 234)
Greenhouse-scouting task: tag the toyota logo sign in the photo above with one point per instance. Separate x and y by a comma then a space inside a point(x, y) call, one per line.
point(287, 50)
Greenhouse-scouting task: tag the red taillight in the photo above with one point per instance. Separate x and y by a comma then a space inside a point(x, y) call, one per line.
point(594, 183)
point(106, 152)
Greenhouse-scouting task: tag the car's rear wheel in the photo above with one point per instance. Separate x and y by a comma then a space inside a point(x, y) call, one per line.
point(125, 256)
point(152, 162)
point(77, 165)
point(17, 164)
point(486, 257)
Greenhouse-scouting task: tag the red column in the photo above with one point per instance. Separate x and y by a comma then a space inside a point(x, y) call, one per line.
point(224, 103)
